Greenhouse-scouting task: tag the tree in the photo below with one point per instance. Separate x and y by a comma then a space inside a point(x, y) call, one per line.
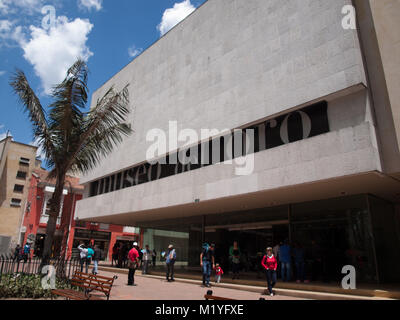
point(73, 140)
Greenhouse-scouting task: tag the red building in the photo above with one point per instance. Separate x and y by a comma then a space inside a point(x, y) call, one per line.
point(36, 216)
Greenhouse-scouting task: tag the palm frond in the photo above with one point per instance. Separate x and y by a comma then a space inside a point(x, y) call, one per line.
point(99, 145)
point(104, 127)
point(31, 105)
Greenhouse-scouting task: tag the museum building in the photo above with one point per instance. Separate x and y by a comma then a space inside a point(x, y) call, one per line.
point(310, 106)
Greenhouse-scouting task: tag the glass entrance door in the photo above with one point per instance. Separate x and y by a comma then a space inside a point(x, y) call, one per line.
point(335, 233)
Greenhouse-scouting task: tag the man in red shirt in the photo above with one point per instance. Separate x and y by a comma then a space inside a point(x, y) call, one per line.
point(133, 262)
point(270, 265)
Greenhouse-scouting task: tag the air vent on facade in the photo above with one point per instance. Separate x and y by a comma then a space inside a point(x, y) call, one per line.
point(24, 161)
point(15, 202)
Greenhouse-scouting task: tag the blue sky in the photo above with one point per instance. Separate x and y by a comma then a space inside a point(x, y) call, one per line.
point(108, 33)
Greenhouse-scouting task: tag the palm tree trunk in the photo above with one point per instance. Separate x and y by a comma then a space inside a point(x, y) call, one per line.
point(65, 232)
point(55, 205)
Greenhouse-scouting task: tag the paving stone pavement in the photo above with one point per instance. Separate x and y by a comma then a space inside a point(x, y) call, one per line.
point(150, 288)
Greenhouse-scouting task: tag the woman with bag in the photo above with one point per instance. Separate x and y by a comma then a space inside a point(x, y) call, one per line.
point(270, 265)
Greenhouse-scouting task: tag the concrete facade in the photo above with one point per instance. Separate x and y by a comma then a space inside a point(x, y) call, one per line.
point(238, 64)
point(377, 28)
point(11, 213)
point(249, 61)
point(235, 75)
point(385, 14)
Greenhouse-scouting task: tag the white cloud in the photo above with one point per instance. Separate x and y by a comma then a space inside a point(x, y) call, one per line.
point(91, 4)
point(5, 26)
point(4, 134)
point(40, 152)
point(8, 31)
point(2, 73)
point(174, 15)
point(133, 51)
point(53, 51)
point(16, 6)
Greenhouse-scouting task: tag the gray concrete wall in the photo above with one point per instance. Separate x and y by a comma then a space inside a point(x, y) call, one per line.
point(350, 148)
point(233, 62)
point(378, 28)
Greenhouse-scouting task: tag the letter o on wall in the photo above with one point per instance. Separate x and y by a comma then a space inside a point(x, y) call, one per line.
point(306, 123)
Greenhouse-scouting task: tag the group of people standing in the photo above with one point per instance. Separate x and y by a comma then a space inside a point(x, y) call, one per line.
point(275, 260)
point(207, 263)
point(290, 256)
point(134, 262)
point(22, 253)
point(89, 253)
point(281, 257)
point(120, 257)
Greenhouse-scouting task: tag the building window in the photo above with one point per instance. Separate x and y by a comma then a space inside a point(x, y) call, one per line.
point(104, 226)
point(101, 191)
point(107, 184)
point(47, 210)
point(24, 161)
point(118, 183)
point(15, 202)
point(112, 187)
point(94, 187)
point(18, 188)
point(80, 224)
point(21, 175)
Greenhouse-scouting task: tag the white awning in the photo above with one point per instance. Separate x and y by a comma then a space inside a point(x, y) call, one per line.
point(51, 190)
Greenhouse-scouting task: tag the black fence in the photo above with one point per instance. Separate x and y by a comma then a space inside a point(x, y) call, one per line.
point(64, 268)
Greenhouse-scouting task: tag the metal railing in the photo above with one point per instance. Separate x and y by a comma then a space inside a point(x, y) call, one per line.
point(65, 268)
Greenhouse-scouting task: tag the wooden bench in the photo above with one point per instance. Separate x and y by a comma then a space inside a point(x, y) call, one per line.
point(209, 296)
point(86, 283)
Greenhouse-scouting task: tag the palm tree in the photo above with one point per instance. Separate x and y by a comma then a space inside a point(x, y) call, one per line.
point(72, 140)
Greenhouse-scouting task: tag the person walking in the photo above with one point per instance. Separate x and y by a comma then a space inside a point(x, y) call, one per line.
point(120, 254)
point(154, 257)
point(207, 263)
point(114, 256)
point(83, 252)
point(97, 256)
point(17, 252)
point(234, 255)
point(299, 262)
point(89, 257)
point(285, 254)
point(170, 262)
point(133, 262)
point(275, 250)
point(27, 252)
point(146, 259)
point(125, 251)
point(259, 266)
point(270, 265)
point(218, 273)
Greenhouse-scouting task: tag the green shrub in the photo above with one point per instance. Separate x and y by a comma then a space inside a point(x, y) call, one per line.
point(27, 286)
